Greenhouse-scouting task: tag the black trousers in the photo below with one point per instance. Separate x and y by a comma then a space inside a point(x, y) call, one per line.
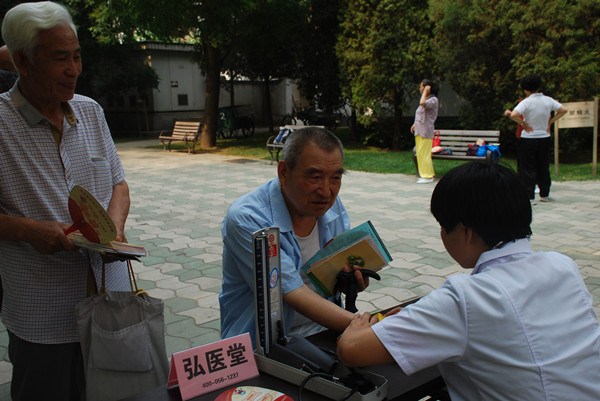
point(534, 164)
point(46, 371)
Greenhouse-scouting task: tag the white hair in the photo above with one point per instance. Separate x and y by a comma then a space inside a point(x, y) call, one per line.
point(23, 23)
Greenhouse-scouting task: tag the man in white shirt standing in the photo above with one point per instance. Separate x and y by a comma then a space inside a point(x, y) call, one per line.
point(533, 150)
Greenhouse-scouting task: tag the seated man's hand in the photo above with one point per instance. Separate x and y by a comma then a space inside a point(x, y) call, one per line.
point(361, 282)
point(361, 320)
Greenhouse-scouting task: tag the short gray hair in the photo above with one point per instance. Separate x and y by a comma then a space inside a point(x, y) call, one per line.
point(23, 23)
point(297, 140)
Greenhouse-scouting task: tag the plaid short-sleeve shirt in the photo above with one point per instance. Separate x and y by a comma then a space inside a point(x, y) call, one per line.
point(41, 291)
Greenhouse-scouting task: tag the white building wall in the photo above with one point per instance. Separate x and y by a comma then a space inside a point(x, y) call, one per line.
point(182, 89)
point(181, 76)
point(182, 86)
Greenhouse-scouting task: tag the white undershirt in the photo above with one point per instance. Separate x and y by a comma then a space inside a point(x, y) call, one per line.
point(309, 245)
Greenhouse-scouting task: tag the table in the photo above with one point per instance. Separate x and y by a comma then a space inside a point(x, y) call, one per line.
point(264, 380)
point(400, 386)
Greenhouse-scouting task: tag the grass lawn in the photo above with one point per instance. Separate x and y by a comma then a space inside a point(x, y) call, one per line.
point(363, 158)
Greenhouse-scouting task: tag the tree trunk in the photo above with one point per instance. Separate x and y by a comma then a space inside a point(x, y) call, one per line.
point(211, 108)
point(397, 120)
point(268, 104)
point(231, 90)
point(354, 125)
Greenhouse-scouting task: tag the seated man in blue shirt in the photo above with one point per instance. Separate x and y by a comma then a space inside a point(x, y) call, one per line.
point(303, 202)
point(520, 326)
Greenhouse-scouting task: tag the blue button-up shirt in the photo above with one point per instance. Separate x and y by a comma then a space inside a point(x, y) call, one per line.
point(263, 208)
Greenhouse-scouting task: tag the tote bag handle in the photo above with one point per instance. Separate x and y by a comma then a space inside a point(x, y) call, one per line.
point(132, 282)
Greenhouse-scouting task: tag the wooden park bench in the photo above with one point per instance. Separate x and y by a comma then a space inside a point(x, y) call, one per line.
point(458, 142)
point(187, 132)
point(275, 146)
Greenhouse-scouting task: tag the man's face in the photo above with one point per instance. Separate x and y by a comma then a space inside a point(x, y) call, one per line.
point(56, 66)
point(312, 187)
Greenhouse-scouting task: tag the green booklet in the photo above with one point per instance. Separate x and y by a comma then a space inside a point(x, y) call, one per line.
point(362, 241)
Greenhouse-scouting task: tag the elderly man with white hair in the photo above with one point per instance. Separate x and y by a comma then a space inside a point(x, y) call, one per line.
point(50, 141)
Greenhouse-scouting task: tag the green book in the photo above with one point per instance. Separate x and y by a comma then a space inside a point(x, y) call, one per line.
point(362, 241)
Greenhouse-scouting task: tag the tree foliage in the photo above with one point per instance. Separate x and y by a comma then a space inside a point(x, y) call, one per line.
point(265, 43)
point(250, 37)
point(385, 51)
point(209, 24)
point(319, 75)
point(473, 51)
point(560, 40)
point(372, 52)
point(107, 69)
point(486, 46)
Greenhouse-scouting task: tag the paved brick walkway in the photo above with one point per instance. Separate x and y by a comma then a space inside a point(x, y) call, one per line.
point(179, 201)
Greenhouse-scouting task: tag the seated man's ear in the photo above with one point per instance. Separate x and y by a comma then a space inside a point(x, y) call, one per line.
point(283, 172)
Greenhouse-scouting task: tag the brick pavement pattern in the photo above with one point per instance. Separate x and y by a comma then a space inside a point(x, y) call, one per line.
point(178, 202)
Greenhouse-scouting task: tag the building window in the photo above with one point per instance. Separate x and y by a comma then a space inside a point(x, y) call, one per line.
point(182, 100)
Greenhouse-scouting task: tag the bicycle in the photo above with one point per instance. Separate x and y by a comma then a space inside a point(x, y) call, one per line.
point(230, 122)
point(310, 116)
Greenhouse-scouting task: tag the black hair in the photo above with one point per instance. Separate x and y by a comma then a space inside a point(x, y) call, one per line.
point(531, 82)
point(297, 140)
point(486, 197)
point(434, 87)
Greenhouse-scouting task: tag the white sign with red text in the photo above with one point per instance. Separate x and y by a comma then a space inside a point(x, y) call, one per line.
point(213, 366)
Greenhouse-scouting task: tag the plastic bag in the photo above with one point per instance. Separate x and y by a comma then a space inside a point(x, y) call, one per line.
point(482, 151)
point(472, 150)
point(436, 139)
